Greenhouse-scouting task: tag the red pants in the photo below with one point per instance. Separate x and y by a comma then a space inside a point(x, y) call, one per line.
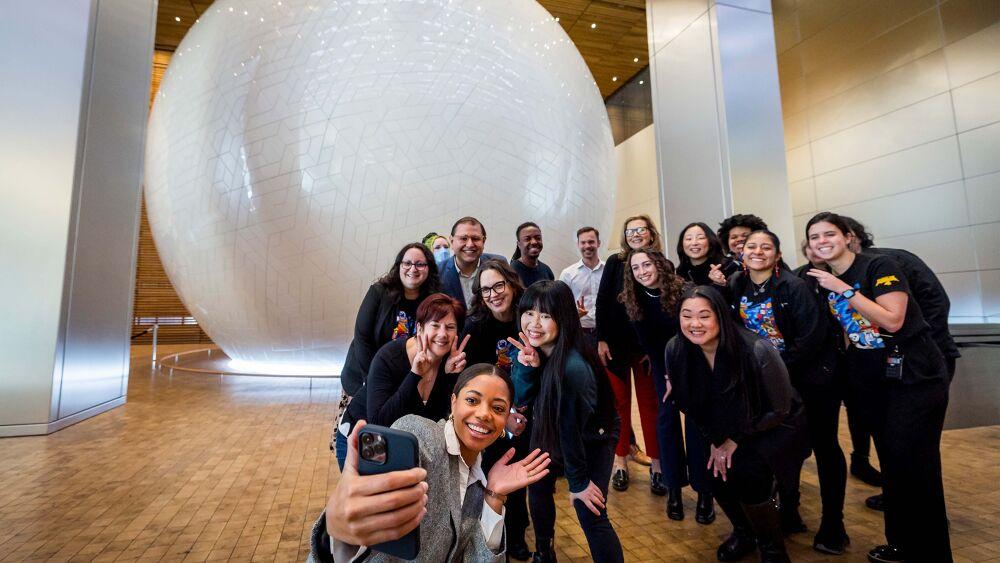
point(648, 405)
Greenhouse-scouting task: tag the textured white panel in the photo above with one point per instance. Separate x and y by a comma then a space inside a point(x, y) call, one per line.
point(295, 146)
point(977, 103)
point(940, 207)
point(989, 280)
point(981, 150)
point(987, 240)
point(913, 125)
point(963, 291)
point(668, 18)
point(800, 164)
point(926, 165)
point(893, 90)
point(950, 250)
point(984, 198)
point(803, 195)
point(974, 57)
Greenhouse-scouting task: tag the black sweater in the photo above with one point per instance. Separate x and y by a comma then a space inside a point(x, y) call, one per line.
point(390, 391)
point(612, 322)
point(372, 330)
point(655, 329)
point(488, 341)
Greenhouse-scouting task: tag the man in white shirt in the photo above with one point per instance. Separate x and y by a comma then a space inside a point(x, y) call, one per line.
point(584, 278)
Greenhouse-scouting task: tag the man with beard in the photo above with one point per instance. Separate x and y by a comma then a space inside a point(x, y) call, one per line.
point(525, 259)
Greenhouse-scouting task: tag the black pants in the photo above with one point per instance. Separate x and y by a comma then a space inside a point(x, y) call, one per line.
point(516, 520)
point(756, 463)
point(861, 435)
point(906, 421)
point(822, 409)
point(680, 467)
point(601, 537)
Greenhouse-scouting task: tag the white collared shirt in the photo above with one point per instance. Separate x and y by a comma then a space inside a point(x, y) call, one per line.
point(584, 282)
point(491, 522)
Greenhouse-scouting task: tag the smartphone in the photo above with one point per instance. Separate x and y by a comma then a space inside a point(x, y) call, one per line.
point(383, 450)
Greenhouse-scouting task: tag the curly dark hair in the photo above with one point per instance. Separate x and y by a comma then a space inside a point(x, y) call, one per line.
point(670, 284)
point(394, 285)
point(752, 222)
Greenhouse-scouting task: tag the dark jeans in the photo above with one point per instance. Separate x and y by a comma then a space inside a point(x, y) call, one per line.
point(822, 408)
point(601, 537)
point(906, 422)
point(679, 467)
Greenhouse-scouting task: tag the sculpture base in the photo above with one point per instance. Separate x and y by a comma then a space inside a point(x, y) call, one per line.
point(216, 362)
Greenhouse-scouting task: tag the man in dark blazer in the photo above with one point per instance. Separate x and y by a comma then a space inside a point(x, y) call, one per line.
point(468, 239)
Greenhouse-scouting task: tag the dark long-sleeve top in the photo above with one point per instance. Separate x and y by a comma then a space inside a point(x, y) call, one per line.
point(698, 275)
point(377, 317)
point(800, 320)
point(390, 391)
point(655, 329)
point(488, 341)
point(728, 408)
point(928, 293)
point(612, 322)
point(586, 412)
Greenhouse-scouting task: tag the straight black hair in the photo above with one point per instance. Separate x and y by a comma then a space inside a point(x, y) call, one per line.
point(517, 237)
point(715, 254)
point(555, 298)
point(475, 370)
point(731, 343)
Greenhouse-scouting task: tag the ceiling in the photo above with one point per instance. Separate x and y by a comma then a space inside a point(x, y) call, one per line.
point(615, 49)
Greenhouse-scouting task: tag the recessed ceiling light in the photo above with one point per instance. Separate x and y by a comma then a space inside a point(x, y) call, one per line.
point(177, 18)
point(635, 60)
point(593, 26)
point(557, 19)
point(614, 79)
point(641, 82)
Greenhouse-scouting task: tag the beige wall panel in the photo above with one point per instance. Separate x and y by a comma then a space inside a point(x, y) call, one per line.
point(977, 103)
point(974, 57)
point(949, 250)
point(981, 150)
point(984, 199)
point(964, 291)
point(910, 41)
point(793, 95)
point(815, 15)
point(965, 17)
point(796, 130)
point(799, 163)
point(786, 25)
point(926, 165)
point(803, 196)
point(638, 188)
point(987, 243)
point(939, 207)
point(799, 221)
point(908, 84)
point(790, 63)
point(910, 126)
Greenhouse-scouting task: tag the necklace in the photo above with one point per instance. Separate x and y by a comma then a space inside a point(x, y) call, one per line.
point(651, 294)
point(758, 289)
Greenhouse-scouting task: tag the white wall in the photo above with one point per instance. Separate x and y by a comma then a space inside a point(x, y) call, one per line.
point(892, 116)
point(638, 189)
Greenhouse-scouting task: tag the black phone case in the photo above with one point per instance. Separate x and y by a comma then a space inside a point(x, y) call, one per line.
point(402, 454)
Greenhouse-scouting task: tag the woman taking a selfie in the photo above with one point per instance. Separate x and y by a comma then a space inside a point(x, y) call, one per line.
point(898, 377)
point(459, 508)
point(735, 387)
point(413, 375)
point(650, 297)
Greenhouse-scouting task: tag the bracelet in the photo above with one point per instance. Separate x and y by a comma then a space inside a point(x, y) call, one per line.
point(496, 495)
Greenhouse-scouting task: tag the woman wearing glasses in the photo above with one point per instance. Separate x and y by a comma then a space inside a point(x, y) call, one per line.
point(388, 312)
point(619, 351)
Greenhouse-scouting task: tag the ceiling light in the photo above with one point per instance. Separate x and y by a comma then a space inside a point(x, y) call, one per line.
point(635, 60)
point(641, 82)
point(557, 19)
point(593, 26)
point(614, 79)
point(177, 18)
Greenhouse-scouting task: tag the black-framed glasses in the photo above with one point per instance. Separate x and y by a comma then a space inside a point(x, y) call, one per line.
point(418, 265)
point(499, 288)
point(635, 231)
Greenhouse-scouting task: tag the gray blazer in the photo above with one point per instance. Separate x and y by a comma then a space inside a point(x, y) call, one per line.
point(438, 539)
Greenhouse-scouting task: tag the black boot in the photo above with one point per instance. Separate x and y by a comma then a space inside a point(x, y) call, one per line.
point(741, 542)
point(766, 522)
point(791, 521)
point(545, 551)
point(832, 537)
point(517, 548)
point(862, 469)
point(675, 505)
point(656, 485)
point(704, 513)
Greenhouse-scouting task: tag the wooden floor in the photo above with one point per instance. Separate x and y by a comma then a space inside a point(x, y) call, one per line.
point(197, 468)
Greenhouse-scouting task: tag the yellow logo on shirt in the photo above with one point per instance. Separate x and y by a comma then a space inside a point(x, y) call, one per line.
point(886, 280)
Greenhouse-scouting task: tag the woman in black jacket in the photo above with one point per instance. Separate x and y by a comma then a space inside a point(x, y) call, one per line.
point(734, 385)
point(702, 260)
point(412, 375)
point(650, 297)
point(771, 301)
point(619, 351)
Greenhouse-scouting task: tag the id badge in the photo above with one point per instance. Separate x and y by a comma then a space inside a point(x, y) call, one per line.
point(894, 365)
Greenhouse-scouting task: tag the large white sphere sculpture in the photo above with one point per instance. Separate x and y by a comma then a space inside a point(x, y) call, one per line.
point(296, 145)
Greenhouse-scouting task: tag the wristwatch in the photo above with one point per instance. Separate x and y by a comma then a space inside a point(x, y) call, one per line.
point(847, 294)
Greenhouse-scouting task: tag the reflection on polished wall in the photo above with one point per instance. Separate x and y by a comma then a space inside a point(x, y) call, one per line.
point(892, 116)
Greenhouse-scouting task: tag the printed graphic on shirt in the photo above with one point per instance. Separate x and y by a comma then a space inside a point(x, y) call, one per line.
point(404, 326)
point(860, 331)
point(759, 317)
point(505, 354)
point(886, 281)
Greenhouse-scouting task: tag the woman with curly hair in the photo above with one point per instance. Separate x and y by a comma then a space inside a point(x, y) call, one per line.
point(649, 293)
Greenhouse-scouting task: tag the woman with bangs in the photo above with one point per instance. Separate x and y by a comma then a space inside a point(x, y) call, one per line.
point(702, 260)
point(573, 416)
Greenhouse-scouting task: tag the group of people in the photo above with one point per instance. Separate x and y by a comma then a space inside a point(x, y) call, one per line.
point(510, 378)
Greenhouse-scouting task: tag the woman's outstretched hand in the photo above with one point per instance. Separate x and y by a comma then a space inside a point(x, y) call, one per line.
point(526, 354)
point(591, 497)
point(506, 478)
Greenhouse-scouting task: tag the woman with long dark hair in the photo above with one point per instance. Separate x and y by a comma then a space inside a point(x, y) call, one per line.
point(619, 351)
point(783, 309)
point(898, 378)
point(650, 297)
point(735, 387)
point(702, 260)
point(559, 378)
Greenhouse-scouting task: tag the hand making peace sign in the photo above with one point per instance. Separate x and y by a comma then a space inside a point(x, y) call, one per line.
point(423, 360)
point(526, 354)
point(456, 359)
point(581, 309)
